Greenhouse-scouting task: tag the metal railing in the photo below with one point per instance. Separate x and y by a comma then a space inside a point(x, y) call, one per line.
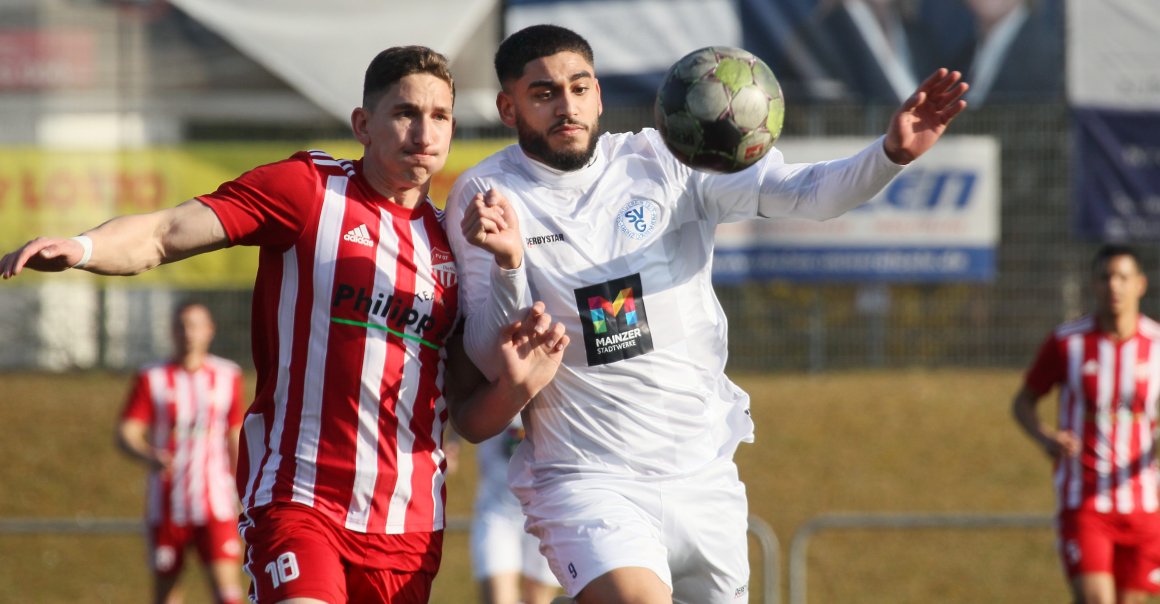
point(761, 530)
point(799, 546)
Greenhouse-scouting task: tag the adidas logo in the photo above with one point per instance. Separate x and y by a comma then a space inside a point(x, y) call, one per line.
point(359, 235)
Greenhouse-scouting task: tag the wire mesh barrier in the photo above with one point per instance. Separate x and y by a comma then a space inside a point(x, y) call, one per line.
point(768, 573)
point(1040, 280)
point(799, 546)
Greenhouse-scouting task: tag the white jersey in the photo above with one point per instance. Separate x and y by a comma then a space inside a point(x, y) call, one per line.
point(492, 495)
point(621, 252)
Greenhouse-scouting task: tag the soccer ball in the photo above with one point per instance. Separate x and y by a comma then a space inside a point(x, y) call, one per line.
point(719, 109)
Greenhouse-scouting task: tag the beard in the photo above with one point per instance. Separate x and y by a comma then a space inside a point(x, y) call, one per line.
point(536, 145)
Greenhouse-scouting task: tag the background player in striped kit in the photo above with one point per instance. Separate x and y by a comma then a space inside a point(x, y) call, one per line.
point(1107, 367)
point(341, 472)
point(182, 420)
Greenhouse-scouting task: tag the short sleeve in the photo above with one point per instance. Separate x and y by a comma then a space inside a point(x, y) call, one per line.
point(139, 406)
point(268, 205)
point(1048, 368)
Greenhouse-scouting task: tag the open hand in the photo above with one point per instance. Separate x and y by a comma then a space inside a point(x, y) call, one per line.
point(45, 254)
point(923, 117)
point(532, 350)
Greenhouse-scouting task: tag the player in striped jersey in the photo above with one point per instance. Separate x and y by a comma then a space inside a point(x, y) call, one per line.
point(1107, 368)
point(182, 420)
point(341, 471)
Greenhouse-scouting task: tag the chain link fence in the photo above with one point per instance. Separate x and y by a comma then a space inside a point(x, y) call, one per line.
point(1042, 276)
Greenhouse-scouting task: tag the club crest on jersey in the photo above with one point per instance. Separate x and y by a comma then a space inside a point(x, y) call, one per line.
point(638, 218)
point(614, 320)
point(444, 267)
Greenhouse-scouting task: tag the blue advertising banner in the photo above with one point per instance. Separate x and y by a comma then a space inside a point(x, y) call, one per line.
point(1116, 174)
point(938, 221)
point(854, 265)
point(1114, 90)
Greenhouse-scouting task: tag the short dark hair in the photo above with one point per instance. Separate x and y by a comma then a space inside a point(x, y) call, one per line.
point(398, 62)
point(1111, 250)
point(186, 304)
point(535, 42)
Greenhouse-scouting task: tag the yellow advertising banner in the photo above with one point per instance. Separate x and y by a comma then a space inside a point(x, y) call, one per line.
point(61, 193)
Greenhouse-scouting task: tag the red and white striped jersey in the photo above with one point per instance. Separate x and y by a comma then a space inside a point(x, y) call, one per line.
point(190, 415)
point(1108, 393)
point(353, 300)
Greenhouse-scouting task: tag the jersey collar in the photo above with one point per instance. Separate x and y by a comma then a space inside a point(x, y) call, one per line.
point(560, 179)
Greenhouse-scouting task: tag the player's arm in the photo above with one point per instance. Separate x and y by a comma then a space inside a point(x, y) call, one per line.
point(484, 232)
point(125, 245)
point(234, 423)
point(234, 437)
point(1056, 444)
point(133, 439)
point(827, 189)
point(529, 353)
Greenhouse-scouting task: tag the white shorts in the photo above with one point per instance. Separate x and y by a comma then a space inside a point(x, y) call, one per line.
point(500, 545)
point(691, 532)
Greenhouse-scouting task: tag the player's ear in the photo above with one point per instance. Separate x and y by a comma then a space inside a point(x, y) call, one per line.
point(358, 125)
point(599, 98)
point(507, 109)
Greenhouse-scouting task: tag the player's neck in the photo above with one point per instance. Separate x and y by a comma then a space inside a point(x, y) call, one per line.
point(412, 197)
point(1119, 327)
point(408, 198)
point(192, 361)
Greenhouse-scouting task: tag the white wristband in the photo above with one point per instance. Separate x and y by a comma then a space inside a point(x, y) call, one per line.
point(87, 244)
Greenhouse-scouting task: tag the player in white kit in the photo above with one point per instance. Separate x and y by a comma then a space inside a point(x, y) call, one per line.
point(627, 474)
point(505, 560)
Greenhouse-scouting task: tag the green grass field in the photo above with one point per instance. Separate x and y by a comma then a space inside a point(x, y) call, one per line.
point(870, 442)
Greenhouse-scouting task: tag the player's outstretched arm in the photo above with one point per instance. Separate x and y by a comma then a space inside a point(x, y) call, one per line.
point(125, 245)
point(922, 118)
point(530, 353)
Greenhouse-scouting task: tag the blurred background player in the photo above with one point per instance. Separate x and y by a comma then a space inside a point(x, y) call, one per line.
point(627, 475)
point(182, 420)
point(505, 560)
point(1107, 367)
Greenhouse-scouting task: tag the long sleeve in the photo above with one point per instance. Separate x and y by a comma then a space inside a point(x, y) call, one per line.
point(817, 191)
point(826, 189)
point(490, 297)
point(509, 300)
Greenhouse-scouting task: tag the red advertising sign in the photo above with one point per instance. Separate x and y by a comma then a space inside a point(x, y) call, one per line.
point(39, 60)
